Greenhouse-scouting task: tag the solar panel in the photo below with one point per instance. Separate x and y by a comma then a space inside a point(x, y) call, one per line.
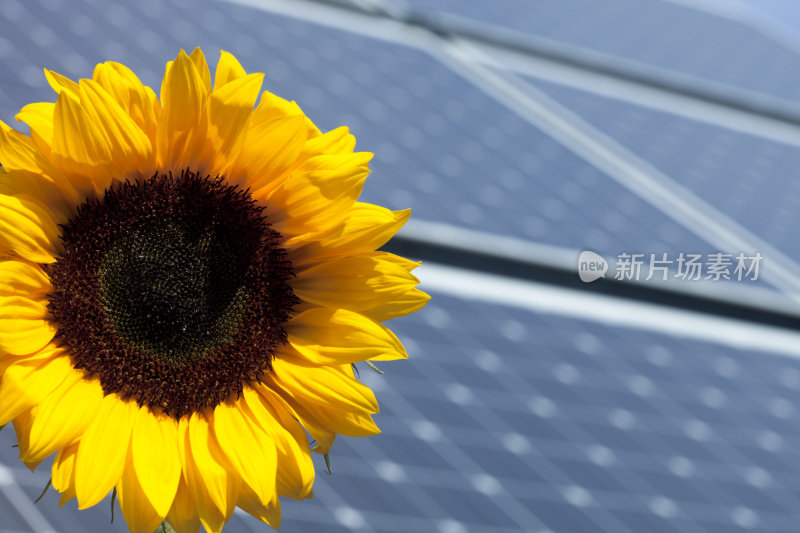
point(748, 178)
point(443, 147)
point(676, 36)
point(505, 419)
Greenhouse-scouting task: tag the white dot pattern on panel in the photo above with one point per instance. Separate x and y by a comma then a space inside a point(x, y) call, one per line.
point(566, 373)
point(459, 394)
point(641, 386)
point(350, 518)
point(542, 407)
point(516, 443)
point(622, 419)
point(744, 517)
point(486, 484)
point(663, 507)
point(681, 466)
point(712, 397)
point(391, 471)
point(577, 496)
point(758, 477)
point(426, 430)
point(727, 367)
point(659, 356)
point(781, 408)
point(698, 430)
point(451, 526)
point(770, 441)
point(600, 455)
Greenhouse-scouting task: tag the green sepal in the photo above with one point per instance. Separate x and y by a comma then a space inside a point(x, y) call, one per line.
point(49, 481)
point(165, 527)
point(373, 367)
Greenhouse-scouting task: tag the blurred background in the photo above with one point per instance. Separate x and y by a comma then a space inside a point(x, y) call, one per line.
point(522, 132)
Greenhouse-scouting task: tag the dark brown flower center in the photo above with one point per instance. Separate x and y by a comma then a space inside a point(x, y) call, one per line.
point(172, 291)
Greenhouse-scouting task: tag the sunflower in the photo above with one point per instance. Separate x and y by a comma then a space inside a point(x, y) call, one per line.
point(185, 284)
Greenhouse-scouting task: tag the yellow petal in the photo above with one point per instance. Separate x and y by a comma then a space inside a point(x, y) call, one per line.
point(199, 60)
point(63, 473)
point(272, 393)
point(27, 228)
point(182, 125)
point(129, 146)
point(356, 283)
point(210, 477)
point(24, 327)
point(27, 382)
point(17, 151)
point(183, 514)
point(80, 149)
point(402, 305)
point(325, 385)
point(338, 402)
point(63, 416)
point(39, 117)
point(337, 141)
point(229, 110)
point(318, 195)
point(60, 83)
point(228, 70)
point(135, 502)
point(248, 448)
point(25, 184)
point(138, 101)
point(295, 473)
point(272, 106)
point(22, 426)
point(23, 279)
point(365, 228)
point(103, 450)
point(406, 264)
point(29, 171)
point(337, 336)
point(269, 513)
point(272, 147)
point(154, 451)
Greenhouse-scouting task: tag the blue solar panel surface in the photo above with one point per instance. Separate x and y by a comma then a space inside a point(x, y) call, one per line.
point(504, 420)
point(510, 420)
point(655, 33)
point(750, 179)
